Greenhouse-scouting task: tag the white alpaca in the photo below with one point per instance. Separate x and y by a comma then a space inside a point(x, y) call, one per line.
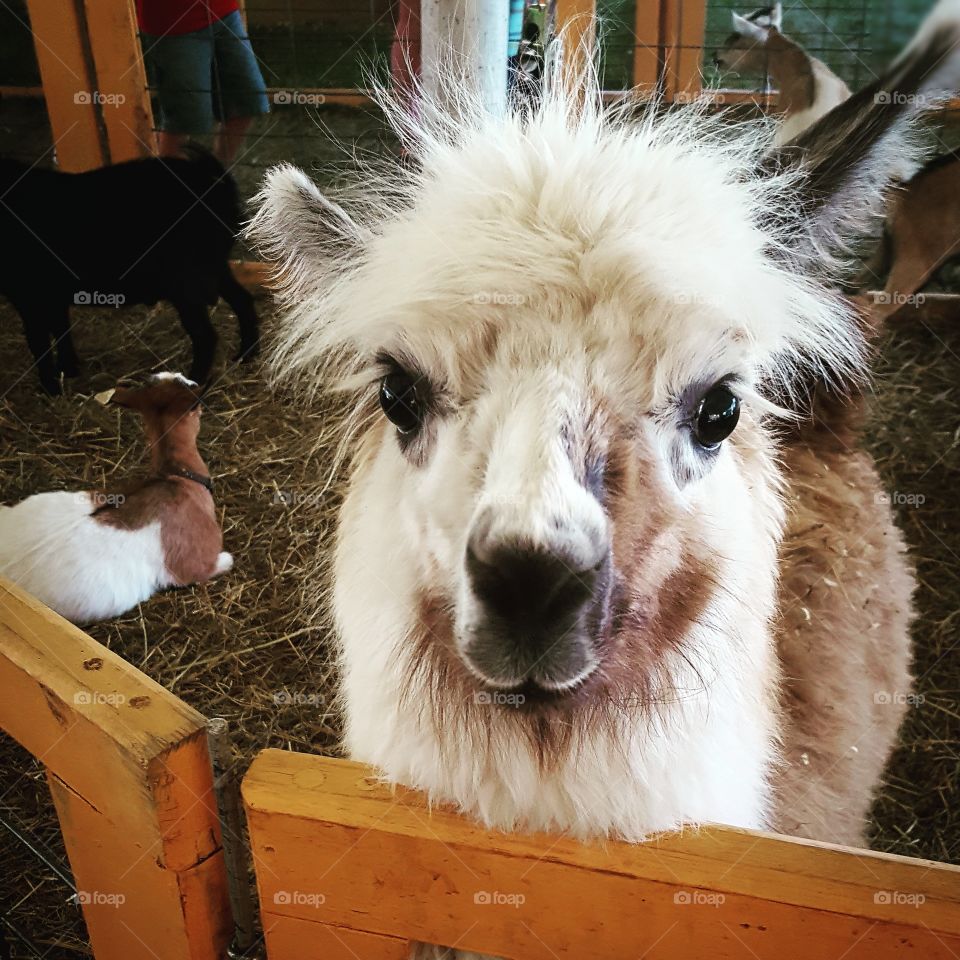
point(556, 574)
point(91, 555)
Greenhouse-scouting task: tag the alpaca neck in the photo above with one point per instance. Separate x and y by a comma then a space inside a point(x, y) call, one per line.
point(791, 68)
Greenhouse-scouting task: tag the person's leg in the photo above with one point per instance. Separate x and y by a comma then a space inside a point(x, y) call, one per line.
point(182, 68)
point(171, 144)
point(242, 92)
point(230, 137)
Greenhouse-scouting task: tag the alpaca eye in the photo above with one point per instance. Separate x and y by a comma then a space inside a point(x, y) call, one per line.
point(717, 416)
point(400, 401)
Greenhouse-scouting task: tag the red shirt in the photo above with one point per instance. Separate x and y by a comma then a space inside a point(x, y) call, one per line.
point(171, 17)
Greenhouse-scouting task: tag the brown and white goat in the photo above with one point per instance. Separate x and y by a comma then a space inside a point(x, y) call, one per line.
point(808, 87)
point(93, 554)
point(584, 578)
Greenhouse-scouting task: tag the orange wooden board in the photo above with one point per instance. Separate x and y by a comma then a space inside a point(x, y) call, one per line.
point(350, 852)
point(130, 775)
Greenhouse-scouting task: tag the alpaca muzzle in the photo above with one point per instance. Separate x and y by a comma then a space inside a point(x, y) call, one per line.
point(541, 611)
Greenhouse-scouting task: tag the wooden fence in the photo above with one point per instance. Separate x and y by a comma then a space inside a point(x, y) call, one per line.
point(128, 767)
point(349, 868)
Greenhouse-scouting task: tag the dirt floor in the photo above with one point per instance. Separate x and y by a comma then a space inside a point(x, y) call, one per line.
point(244, 648)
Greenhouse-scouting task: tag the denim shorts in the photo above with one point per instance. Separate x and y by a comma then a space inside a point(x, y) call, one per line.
point(205, 76)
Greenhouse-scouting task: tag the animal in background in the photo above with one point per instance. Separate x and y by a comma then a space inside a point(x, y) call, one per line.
point(808, 87)
point(94, 554)
point(137, 232)
point(921, 234)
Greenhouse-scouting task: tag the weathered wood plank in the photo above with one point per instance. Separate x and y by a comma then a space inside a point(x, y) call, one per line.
point(130, 775)
point(68, 81)
point(352, 853)
point(121, 79)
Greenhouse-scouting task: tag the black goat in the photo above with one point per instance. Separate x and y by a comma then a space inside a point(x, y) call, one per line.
point(137, 232)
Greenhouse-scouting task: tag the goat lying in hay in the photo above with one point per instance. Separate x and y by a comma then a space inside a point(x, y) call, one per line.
point(137, 232)
point(93, 554)
point(587, 579)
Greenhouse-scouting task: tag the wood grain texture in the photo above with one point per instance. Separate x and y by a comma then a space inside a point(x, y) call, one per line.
point(69, 83)
point(121, 78)
point(334, 846)
point(130, 775)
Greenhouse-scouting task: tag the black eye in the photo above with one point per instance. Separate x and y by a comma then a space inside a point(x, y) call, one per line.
point(401, 402)
point(717, 416)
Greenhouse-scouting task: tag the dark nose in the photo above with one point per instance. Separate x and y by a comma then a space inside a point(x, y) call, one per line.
point(525, 585)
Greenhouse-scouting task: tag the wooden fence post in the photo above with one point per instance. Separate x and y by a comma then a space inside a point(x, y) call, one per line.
point(578, 21)
point(130, 774)
point(69, 84)
point(343, 861)
point(121, 79)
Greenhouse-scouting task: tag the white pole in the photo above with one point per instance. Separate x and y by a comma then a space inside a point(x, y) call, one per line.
point(470, 35)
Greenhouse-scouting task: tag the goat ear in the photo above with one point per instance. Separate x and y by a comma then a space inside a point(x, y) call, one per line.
point(121, 397)
point(295, 223)
point(747, 28)
point(776, 16)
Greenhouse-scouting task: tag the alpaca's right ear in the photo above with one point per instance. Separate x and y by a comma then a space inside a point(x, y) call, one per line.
point(295, 224)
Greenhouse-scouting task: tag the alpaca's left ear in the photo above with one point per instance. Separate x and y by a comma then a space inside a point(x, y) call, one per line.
point(296, 226)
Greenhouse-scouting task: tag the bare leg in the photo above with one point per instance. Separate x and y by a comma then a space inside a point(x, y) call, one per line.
point(229, 138)
point(171, 144)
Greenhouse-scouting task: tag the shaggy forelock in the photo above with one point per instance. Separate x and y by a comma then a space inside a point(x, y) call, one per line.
point(660, 234)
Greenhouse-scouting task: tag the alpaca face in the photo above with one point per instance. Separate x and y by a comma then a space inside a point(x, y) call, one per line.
point(577, 509)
